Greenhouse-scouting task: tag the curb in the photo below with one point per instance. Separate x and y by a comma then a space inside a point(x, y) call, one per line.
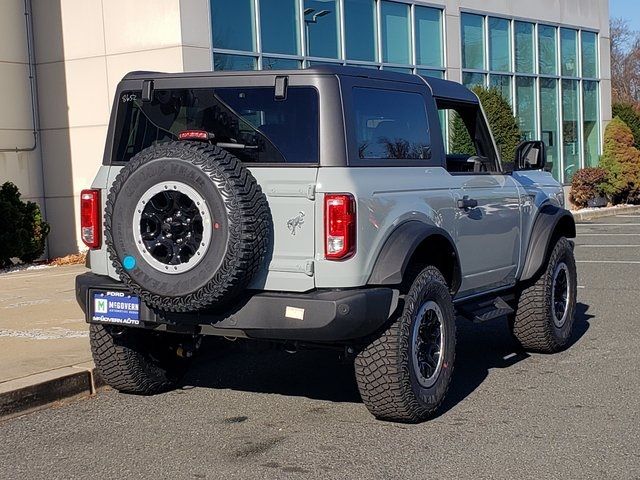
point(26, 394)
point(580, 215)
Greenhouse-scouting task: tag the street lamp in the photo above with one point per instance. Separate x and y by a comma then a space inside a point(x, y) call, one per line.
point(308, 21)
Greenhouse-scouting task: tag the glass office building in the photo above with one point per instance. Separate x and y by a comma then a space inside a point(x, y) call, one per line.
point(549, 71)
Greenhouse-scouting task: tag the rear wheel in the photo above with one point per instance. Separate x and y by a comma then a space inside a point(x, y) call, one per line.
point(139, 361)
point(545, 315)
point(404, 373)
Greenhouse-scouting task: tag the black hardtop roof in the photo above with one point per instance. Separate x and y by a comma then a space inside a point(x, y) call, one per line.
point(444, 89)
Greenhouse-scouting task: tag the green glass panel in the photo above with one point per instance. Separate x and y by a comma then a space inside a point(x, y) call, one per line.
point(233, 24)
point(431, 73)
point(570, 129)
point(472, 41)
point(589, 55)
point(591, 123)
point(360, 29)
point(526, 106)
point(569, 52)
point(523, 34)
point(549, 122)
point(279, 28)
point(499, 45)
point(473, 79)
point(233, 62)
point(398, 69)
point(270, 63)
point(321, 27)
point(428, 36)
point(502, 83)
point(547, 49)
point(395, 32)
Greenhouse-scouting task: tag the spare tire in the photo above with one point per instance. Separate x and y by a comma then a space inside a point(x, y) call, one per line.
point(186, 226)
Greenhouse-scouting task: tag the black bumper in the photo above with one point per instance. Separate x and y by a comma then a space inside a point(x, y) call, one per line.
point(318, 316)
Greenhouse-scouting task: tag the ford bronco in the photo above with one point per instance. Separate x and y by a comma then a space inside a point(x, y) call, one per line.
point(318, 207)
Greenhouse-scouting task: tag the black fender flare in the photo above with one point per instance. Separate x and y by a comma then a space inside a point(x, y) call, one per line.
point(551, 222)
point(402, 244)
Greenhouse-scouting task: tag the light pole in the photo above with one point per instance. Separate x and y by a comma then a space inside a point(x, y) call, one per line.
point(308, 21)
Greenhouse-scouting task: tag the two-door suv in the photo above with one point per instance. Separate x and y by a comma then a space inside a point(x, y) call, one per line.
point(322, 208)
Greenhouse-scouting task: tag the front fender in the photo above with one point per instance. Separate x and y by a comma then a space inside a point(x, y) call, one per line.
point(550, 223)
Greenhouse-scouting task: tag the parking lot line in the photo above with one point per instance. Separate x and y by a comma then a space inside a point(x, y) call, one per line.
point(608, 224)
point(625, 262)
point(608, 246)
point(608, 234)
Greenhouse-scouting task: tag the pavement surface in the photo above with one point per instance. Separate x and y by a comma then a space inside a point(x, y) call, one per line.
point(41, 326)
point(248, 413)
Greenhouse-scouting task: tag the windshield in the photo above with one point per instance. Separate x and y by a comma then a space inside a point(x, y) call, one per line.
point(249, 122)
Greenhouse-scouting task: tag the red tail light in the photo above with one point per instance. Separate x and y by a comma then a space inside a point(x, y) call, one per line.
point(90, 227)
point(200, 135)
point(340, 226)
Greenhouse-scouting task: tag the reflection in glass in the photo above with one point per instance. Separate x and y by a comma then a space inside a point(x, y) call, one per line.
point(360, 29)
point(590, 130)
point(321, 27)
point(279, 26)
point(431, 73)
point(470, 80)
point(547, 48)
point(524, 47)
point(526, 106)
point(503, 84)
point(569, 52)
point(222, 61)
point(549, 122)
point(472, 41)
point(395, 32)
point(271, 63)
point(589, 55)
point(499, 45)
point(428, 36)
point(233, 24)
point(570, 133)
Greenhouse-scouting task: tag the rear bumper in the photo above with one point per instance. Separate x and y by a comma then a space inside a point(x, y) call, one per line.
point(318, 316)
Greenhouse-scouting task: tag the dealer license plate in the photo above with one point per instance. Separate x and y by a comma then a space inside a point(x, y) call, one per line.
point(115, 307)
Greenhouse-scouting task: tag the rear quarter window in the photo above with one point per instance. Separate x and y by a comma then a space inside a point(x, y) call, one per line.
point(390, 125)
point(250, 122)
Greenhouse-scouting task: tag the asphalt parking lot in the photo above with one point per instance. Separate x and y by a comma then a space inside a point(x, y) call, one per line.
point(269, 414)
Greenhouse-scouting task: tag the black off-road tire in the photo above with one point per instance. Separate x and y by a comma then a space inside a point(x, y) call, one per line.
point(533, 324)
point(385, 373)
point(137, 361)
point(239, 242)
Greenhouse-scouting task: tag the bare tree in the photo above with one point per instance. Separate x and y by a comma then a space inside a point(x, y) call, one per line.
point(625, 62)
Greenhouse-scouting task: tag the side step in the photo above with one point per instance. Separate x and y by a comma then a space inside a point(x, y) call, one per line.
point(485, 310)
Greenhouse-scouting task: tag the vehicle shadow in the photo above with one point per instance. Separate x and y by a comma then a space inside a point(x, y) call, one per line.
point(320, 374)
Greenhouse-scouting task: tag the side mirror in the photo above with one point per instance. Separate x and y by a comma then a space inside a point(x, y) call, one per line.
point(531, 156)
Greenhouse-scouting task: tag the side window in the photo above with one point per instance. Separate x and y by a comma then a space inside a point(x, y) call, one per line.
point(391, 125)
point(469, 147)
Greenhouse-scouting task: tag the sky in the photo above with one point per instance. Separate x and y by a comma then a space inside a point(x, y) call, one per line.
point(627, 9)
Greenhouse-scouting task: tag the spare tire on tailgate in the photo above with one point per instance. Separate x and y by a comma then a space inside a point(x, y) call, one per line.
point(186, 226)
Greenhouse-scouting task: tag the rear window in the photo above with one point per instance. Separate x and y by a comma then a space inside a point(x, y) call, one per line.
point(249, 122)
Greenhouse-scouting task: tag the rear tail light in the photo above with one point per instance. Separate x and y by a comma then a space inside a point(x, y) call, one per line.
point(340, 226)
point(90, 227)
point(200, 135)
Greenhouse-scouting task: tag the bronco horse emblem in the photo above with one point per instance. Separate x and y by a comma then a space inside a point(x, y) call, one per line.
point(295, 222)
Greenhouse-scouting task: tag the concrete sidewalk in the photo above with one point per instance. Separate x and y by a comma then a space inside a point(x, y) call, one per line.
point(44, 344)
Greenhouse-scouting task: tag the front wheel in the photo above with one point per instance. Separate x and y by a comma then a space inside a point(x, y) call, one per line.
point(138, 361)
point(404, 373)
point(545, 314)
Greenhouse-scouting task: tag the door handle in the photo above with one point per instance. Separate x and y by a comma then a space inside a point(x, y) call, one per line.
point(466, 203)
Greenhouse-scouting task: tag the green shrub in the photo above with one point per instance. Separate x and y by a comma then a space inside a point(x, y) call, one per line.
point(505, 128)
point(621, 160)
point(631, 116)
point(22, 230)
point(586, 185)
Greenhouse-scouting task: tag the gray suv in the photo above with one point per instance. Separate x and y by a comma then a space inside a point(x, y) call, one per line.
point(322, 208)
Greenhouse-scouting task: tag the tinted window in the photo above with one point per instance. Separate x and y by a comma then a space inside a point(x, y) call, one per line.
point(232, 24)
point(472, 41)
point(321, 25)
point(248, 122)
point(391, 125)
point(279, 26)
point(360, 29)
point(395, 32)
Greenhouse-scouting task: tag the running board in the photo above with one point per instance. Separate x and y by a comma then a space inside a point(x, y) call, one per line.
point(485, 310)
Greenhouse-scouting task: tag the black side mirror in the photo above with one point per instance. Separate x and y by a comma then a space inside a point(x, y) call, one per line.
point(531, 156)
